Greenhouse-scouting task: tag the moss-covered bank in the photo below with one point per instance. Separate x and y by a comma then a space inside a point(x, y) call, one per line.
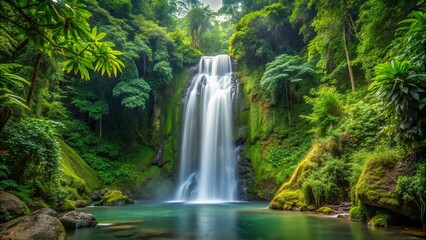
point(272, 143)
point(353, 161)
point(157, 163)
point(77, 179)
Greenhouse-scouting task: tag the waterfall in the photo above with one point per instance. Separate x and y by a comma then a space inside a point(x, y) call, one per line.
point(208, 161)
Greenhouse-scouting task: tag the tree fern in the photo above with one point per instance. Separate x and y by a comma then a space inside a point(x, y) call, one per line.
point(9, 82)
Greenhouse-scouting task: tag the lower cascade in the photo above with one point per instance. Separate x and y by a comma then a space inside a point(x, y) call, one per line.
point(208, 159)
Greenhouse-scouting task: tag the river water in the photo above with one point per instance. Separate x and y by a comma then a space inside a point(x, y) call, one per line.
point(245, 220)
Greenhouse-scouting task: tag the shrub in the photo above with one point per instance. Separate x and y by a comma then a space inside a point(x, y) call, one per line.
point(31, 164)
point(326, 184)
point(326, 109)
point(396, 86)
point(380, 220)
point(325, 210)
point(413, 189)
point(356, 213)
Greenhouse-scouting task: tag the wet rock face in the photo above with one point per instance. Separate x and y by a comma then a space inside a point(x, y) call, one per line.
point(73, 220)
point(35, 227)
point(245, 179)
point(97, 194)
point(11, 207)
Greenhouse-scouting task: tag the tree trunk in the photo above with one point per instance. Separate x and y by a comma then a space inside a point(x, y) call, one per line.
point(5, 114)
point(144, 64)
point(100, 127)
point(287, 90)
point(348, 57)
point(34, 78)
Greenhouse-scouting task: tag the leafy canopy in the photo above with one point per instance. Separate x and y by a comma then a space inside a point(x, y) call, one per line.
point(261, 34)
point(134, 92)
point(400, 84)
point(62, 28)
point(326, 109)
point(285, 68)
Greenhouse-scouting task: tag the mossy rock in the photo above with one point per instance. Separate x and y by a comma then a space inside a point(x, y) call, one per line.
point(11, 207)
point(77, 178)
point(67, 205)
point(307, 208)
point(356, 213)
point(288, 200)
point(377, 183)
point(289, 195)
point(76, 172)
point(114, 198)
point(325, 210)
point(82, 202)
point(380, 220)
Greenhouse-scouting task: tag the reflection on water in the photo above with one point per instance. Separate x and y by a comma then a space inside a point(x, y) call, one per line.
point(221, 221)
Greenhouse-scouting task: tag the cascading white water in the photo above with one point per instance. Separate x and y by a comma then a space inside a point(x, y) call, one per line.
point(208, 161)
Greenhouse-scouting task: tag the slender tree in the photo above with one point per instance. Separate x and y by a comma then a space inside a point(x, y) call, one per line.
point(198, 21)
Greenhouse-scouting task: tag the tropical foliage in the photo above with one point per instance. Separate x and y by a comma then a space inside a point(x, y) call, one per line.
point(397, 85)
point(332, 98)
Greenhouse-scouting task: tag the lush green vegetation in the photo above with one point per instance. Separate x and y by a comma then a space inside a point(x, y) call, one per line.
point(132, 57)
point(333, 99)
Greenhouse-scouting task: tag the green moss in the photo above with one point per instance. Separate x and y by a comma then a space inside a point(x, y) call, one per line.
point(67, 206)
point(307, 207)
point(76, 171)
point(26, 211)
point(37, 204)
point(254, 123)
point(287, 200)
point(371, 186)
point(313, 162)
point(140, 156)
point(113, 198)
point(253, 152)
point(72, 193)
point(150, 174)
point(356, 213)
point(380, 220)
point(171, 109)
point(169, 156)
point(325, 210)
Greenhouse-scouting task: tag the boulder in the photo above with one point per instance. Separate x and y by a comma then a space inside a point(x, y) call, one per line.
point(97, 194)
point(47, 211)
point(377, 185)
point(73, 220)
point(114, 198)
point(34, 227)
point(380, 220)
point(82, 203)
point(11, 207)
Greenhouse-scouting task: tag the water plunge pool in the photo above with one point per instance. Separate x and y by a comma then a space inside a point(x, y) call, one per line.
point(243, 220)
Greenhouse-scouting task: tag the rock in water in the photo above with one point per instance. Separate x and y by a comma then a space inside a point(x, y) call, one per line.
point(34, 227)
point(73, 220)
point(11, 207)
point(114, 198)
point(97, 194)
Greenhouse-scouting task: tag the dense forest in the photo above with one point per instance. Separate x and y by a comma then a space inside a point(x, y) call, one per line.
point(332, 105)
